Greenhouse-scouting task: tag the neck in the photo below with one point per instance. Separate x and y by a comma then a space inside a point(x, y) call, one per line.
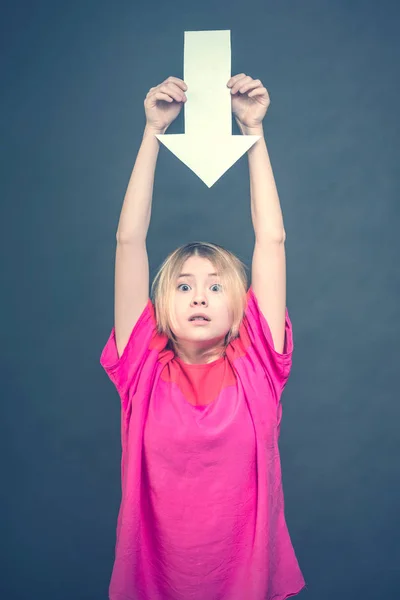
point(199, 356)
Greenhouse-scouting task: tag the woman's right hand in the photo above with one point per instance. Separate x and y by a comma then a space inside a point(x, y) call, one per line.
point(163, 103)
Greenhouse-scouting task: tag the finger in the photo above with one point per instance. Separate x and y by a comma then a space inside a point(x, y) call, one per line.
point(235, 78)
point(240, 84)
point(179, 82)
point(174, 91)
point(260, 91)
point(246, 86)
point(170, 85)
point(161, 96)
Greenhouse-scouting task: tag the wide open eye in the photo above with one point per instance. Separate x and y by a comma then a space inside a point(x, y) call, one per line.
point(186, 285)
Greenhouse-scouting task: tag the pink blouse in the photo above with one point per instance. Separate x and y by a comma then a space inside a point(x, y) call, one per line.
point(202, 508)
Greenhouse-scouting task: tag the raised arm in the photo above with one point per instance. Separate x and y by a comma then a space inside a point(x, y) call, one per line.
point(162, 105)
point(250, 101)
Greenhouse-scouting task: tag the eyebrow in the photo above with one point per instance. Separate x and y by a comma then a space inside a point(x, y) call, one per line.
point(191, 275)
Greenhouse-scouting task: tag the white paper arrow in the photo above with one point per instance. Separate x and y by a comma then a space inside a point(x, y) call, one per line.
point(208, 146)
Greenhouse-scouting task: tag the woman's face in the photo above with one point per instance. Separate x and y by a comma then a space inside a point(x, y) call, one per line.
point(199, 290)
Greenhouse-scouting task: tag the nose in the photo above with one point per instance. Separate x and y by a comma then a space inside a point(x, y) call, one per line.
point(199, 299)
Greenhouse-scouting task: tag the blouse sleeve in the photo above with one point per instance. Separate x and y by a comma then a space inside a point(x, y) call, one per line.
point(255, 329)
point(124, 370)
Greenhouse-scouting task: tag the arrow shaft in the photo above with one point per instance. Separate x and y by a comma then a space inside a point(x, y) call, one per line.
point(207, 68)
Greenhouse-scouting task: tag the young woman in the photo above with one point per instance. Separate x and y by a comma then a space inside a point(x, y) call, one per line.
point(200, 370)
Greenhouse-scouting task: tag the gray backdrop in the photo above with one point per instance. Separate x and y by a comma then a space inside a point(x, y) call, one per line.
point(74, 78)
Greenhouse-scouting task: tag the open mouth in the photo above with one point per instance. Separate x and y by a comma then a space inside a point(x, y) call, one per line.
point(200, 317)
point(199, 321)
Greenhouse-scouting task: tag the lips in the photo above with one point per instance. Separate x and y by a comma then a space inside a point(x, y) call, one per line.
point(200, 315)
point(199, 322)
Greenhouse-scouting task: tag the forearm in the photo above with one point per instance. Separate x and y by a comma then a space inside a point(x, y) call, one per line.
point(135, 215)
point(266, 211)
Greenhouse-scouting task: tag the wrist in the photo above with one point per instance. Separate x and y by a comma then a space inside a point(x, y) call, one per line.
point(259, 130)
point(149, 130)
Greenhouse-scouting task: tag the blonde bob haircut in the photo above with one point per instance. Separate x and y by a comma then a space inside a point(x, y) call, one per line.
point(233, 277)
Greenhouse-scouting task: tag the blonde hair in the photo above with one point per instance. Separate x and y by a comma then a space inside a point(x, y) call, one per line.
point(232, 273)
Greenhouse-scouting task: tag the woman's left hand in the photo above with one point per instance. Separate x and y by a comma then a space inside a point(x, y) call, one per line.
point(250, 101)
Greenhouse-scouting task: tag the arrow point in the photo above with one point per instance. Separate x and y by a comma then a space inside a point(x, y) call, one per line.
point(207, 156)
